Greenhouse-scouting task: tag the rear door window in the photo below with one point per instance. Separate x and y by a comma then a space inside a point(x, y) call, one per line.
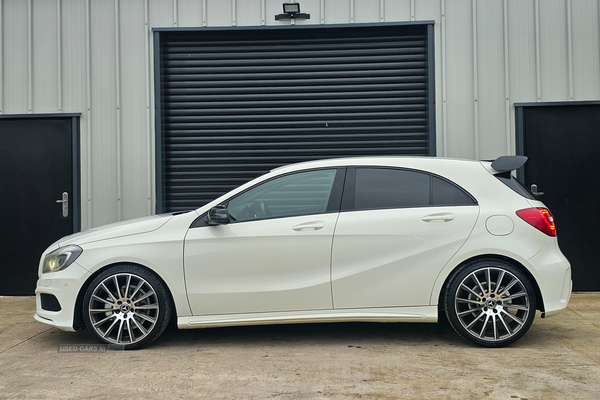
point(390, 188)
point(378, 188)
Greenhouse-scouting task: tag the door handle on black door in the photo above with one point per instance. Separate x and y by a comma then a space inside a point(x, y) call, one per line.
point(65, 204)
point(534, 190)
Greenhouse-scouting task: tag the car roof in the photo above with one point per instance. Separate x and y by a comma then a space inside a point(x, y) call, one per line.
point(392, 161)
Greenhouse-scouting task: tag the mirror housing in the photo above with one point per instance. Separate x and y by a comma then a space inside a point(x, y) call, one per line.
point(218, 215)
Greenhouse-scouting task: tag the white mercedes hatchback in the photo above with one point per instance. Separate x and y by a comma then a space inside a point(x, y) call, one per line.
point(359, 239)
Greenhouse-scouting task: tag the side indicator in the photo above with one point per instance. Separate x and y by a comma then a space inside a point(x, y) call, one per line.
point(540, 218)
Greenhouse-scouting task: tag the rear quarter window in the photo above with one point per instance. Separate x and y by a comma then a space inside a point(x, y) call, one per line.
point(515, 185)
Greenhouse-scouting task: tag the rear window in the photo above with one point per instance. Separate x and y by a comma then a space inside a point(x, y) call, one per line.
point(511, 182)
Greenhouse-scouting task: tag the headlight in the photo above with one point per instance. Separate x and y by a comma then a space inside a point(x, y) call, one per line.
point(61, 258)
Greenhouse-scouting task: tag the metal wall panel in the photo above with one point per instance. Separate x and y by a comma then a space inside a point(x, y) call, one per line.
point(586, 52)
point(522, 50)
point(189, 13)
point(218, 13)
point(552, 53)
point(553, 49)
point(134, 120)
point(103, 114)
point(45, 56)
point(459, 43)
point(15, 52)
point(248, 13)
point(490, 85)
point(368, 11)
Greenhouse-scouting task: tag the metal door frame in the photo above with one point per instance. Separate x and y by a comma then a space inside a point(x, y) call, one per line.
point(75, 157)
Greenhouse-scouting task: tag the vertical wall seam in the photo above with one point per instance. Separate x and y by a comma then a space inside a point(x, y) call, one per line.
point(381, 10)
point(204, 8)
point(1, 56)
point(263, 12)
point(59, 51)
point(475, 78)
point(352, 8)
point(175, 12)
point(570, 48)
point(322, 4)
point(538, 67)
point(118, 102)
point(30, 55)
point(233, 12)
point(444, 82)
point(148, 113)
point(412, 10)
point(506, 80)
point(88, 34)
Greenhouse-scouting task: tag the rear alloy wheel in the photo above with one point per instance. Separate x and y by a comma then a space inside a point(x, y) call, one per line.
point(490, 303)
point(126, 305)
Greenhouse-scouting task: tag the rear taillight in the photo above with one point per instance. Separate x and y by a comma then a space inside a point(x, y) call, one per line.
point(539, 218)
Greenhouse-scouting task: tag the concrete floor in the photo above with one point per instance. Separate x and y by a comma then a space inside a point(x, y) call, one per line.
point(559, 358)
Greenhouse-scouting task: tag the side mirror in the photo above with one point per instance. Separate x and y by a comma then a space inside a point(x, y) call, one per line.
point(218, 215)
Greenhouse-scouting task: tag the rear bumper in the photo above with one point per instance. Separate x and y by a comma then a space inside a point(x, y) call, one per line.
point(553, 277)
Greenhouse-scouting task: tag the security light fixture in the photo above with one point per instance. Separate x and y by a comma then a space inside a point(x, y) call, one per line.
point(291, 11)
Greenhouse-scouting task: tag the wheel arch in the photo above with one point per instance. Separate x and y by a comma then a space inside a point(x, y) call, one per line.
point(78, 322)
point(515, 263)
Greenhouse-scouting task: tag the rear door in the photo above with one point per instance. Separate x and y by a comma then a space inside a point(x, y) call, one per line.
point(397, 230)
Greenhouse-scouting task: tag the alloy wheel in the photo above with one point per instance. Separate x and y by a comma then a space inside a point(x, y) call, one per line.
point(493, 304)
point(123, 309)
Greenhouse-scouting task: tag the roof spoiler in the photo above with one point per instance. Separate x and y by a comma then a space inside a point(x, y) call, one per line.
point(508, 163)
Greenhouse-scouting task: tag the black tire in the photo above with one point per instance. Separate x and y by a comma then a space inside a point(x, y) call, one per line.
point(127, 305)
point(490, 303)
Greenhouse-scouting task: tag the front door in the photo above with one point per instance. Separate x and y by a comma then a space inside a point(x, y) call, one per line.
point(274, 255)
point(563, 146)
point(36, 172)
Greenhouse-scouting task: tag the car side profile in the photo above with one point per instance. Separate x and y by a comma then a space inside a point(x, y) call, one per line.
point(376, 239)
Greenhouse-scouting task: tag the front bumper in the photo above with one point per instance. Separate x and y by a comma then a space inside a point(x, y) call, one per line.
point(64, 285)
point(554, 277)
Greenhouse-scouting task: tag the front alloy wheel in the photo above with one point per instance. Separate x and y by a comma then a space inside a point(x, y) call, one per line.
point(490, 303)
point(126, 305)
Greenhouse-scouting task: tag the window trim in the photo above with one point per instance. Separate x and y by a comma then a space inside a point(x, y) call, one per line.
point(348, 196)
point(333, 206)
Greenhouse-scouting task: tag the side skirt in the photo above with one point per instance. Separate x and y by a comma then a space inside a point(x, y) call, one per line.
point(395, 314)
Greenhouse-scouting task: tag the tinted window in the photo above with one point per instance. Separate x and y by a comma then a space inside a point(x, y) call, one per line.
point(448, 194)
point(514, 184)
point(390, 188)
point(296, 194)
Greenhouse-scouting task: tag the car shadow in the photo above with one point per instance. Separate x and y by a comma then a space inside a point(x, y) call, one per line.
point(352, 333)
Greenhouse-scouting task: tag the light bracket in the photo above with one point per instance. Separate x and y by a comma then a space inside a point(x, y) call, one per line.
point(291, 11)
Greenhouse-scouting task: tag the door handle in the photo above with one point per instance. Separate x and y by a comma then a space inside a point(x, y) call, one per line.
point(445, 217)
point(65, 204)
point(534, 190)
point(309, 226)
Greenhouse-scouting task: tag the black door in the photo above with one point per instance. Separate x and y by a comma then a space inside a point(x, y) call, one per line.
point(38, 163)
point(563, 145)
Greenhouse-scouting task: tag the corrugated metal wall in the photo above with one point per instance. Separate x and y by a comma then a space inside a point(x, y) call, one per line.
point(95, 57)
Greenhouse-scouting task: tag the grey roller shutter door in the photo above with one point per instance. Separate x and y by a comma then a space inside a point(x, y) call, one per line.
point(235, 103)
